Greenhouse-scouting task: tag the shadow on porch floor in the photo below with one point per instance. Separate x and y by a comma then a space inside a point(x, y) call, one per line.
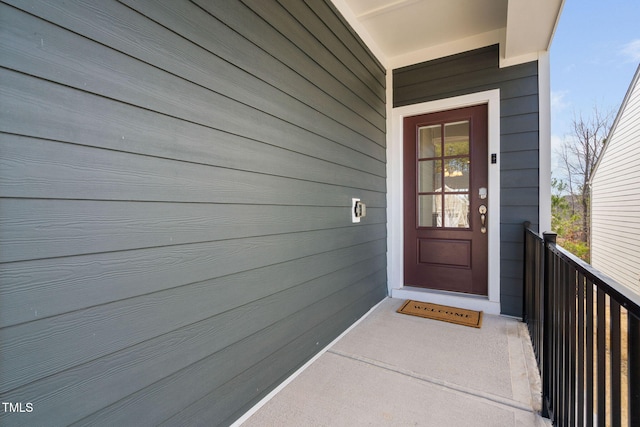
point(398, 370)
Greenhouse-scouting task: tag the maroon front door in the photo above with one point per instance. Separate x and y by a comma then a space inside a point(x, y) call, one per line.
point(446, 200)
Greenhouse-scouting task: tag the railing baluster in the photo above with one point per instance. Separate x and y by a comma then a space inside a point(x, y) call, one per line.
point(555, 331)
point(572, 337)
point(633, 339)
point(616, 360)
point(601, 353)
point(539, 297)
point(558, 347)
point(547, 329)
point(580, 397)
point(564, 343)
point(590, 331)
point(528, 277)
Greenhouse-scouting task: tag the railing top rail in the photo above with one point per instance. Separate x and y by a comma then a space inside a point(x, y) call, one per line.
point(527, 227)
point(623, 295)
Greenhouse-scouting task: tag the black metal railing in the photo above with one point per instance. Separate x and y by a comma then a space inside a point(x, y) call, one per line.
point(585, 330)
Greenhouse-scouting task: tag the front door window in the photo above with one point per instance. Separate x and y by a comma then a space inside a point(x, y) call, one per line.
point(443, 175)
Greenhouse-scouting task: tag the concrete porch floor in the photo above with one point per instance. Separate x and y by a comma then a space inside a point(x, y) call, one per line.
point(398, 370)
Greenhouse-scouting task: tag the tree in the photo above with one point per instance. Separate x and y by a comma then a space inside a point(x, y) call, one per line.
point(565, 221)
point(579, 154)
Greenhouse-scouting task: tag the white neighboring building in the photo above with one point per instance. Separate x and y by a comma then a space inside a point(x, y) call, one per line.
point(615, 196)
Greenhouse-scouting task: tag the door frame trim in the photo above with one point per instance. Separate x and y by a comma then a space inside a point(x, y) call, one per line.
point(395, 226)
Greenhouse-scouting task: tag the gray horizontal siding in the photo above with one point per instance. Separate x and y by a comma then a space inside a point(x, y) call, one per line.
point(228, 104)
point(42, 288)
point(134, 368)
point(114, 175)
point(215, 406)
point(176, 184)
point(42, 109)
point(299, 23)
point(476, 71)
point(101, 226)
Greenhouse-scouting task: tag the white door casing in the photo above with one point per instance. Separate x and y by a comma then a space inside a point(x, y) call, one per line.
point(396, 287)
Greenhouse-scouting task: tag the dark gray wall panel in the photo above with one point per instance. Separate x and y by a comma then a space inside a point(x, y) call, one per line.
point(512, 269)
point(272, 41)
point(519, 141)
point(512, 301)
point(139, 83)
point(360, 80)
point(521, 196)
point(521, 159)
point(176, 182)
point(523, 104)
point(453, 66)
point(101, 226)
point(223, 365)
point(114, 175)
point(516, 178)
point(346, 35)
point(107, 284)
point(165, 356)
point(48, 287)
point(45, 110)
point(476, 71)
point(519, 123)
point(206, 299)
point(215, 405)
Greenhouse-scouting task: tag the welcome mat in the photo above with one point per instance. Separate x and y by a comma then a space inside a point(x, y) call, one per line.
point(455, 315)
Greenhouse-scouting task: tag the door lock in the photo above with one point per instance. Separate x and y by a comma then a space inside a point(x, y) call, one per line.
point(482, 193)
point(482, 209)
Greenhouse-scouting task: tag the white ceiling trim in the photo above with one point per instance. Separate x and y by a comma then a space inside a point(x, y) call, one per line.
point(530, 26)
point(526, 32)
point(386, 8)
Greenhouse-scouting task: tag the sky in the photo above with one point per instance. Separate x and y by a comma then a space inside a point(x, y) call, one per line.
point(594, 55)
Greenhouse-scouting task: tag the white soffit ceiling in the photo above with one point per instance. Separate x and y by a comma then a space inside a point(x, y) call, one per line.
point(530, 26)
point(404, 32)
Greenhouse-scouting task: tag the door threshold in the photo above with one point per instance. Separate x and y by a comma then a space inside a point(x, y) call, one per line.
point(453, 299)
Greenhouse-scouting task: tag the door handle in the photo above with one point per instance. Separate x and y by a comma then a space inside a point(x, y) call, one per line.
point(482, 209)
